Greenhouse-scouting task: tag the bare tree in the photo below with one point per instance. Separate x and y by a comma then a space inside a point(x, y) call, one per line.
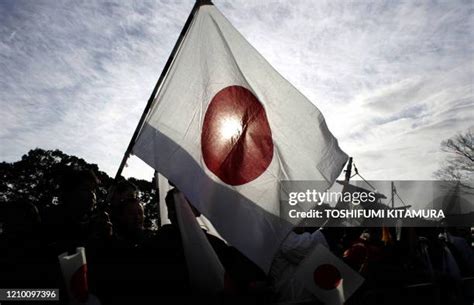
point(459, 164)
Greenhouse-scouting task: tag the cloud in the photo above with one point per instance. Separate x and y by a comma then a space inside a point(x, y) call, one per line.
point(392, 79)
point(77, 76)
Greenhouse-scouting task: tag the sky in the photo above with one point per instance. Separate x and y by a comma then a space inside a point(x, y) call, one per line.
point(392, 78)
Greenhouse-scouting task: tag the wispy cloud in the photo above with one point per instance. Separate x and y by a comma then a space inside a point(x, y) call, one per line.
point(392, 79)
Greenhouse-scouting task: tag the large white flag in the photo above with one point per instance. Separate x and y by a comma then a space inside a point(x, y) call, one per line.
point(226, 128)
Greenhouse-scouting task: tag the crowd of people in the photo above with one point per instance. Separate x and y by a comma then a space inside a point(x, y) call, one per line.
point(128, 264)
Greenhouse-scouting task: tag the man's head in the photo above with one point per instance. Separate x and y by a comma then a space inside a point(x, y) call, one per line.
point(130, 216)
point(123, 190)
point(22, 217)
point(78, 191)
point(171, 205)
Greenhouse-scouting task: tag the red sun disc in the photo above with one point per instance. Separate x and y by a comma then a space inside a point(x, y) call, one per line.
point(327, 277)
point(236, 139)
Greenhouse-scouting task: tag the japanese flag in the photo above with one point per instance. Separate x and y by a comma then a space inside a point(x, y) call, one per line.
point(226, 128)
point(205, 269)
point(74, 269)
point(328, 277)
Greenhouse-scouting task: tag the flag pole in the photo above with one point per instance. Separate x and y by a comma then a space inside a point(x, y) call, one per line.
point(348, 170)
point(167, 66)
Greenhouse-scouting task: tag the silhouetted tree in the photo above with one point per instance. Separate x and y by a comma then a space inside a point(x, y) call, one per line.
point(36, 178)
point(459, 164)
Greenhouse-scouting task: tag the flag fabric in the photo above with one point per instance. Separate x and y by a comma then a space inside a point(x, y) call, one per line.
point(328, 277)
point(226, 128)
point(163, 187)
point(205, 269)
point(74, 269)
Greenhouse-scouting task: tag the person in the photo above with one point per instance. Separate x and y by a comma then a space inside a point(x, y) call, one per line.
point(164, 255)
point(129, 221)
point(22, 220)
point(166, 246)
point(293, 250)
point(67, 224)
point(362, 251)
point(23, 257)
point(461, 250)
point(118, 193)
point(120, 258)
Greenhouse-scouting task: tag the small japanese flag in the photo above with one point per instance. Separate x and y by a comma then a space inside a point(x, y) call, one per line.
point(328, 277)
point(206, 272)
point(74, 269)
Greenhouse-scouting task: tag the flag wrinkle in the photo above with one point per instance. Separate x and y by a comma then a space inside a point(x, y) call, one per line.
point(282, 166)
point(229, 51)
point(171, 71)
point(293, 89)
point(327, 156)
point(223, 200)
